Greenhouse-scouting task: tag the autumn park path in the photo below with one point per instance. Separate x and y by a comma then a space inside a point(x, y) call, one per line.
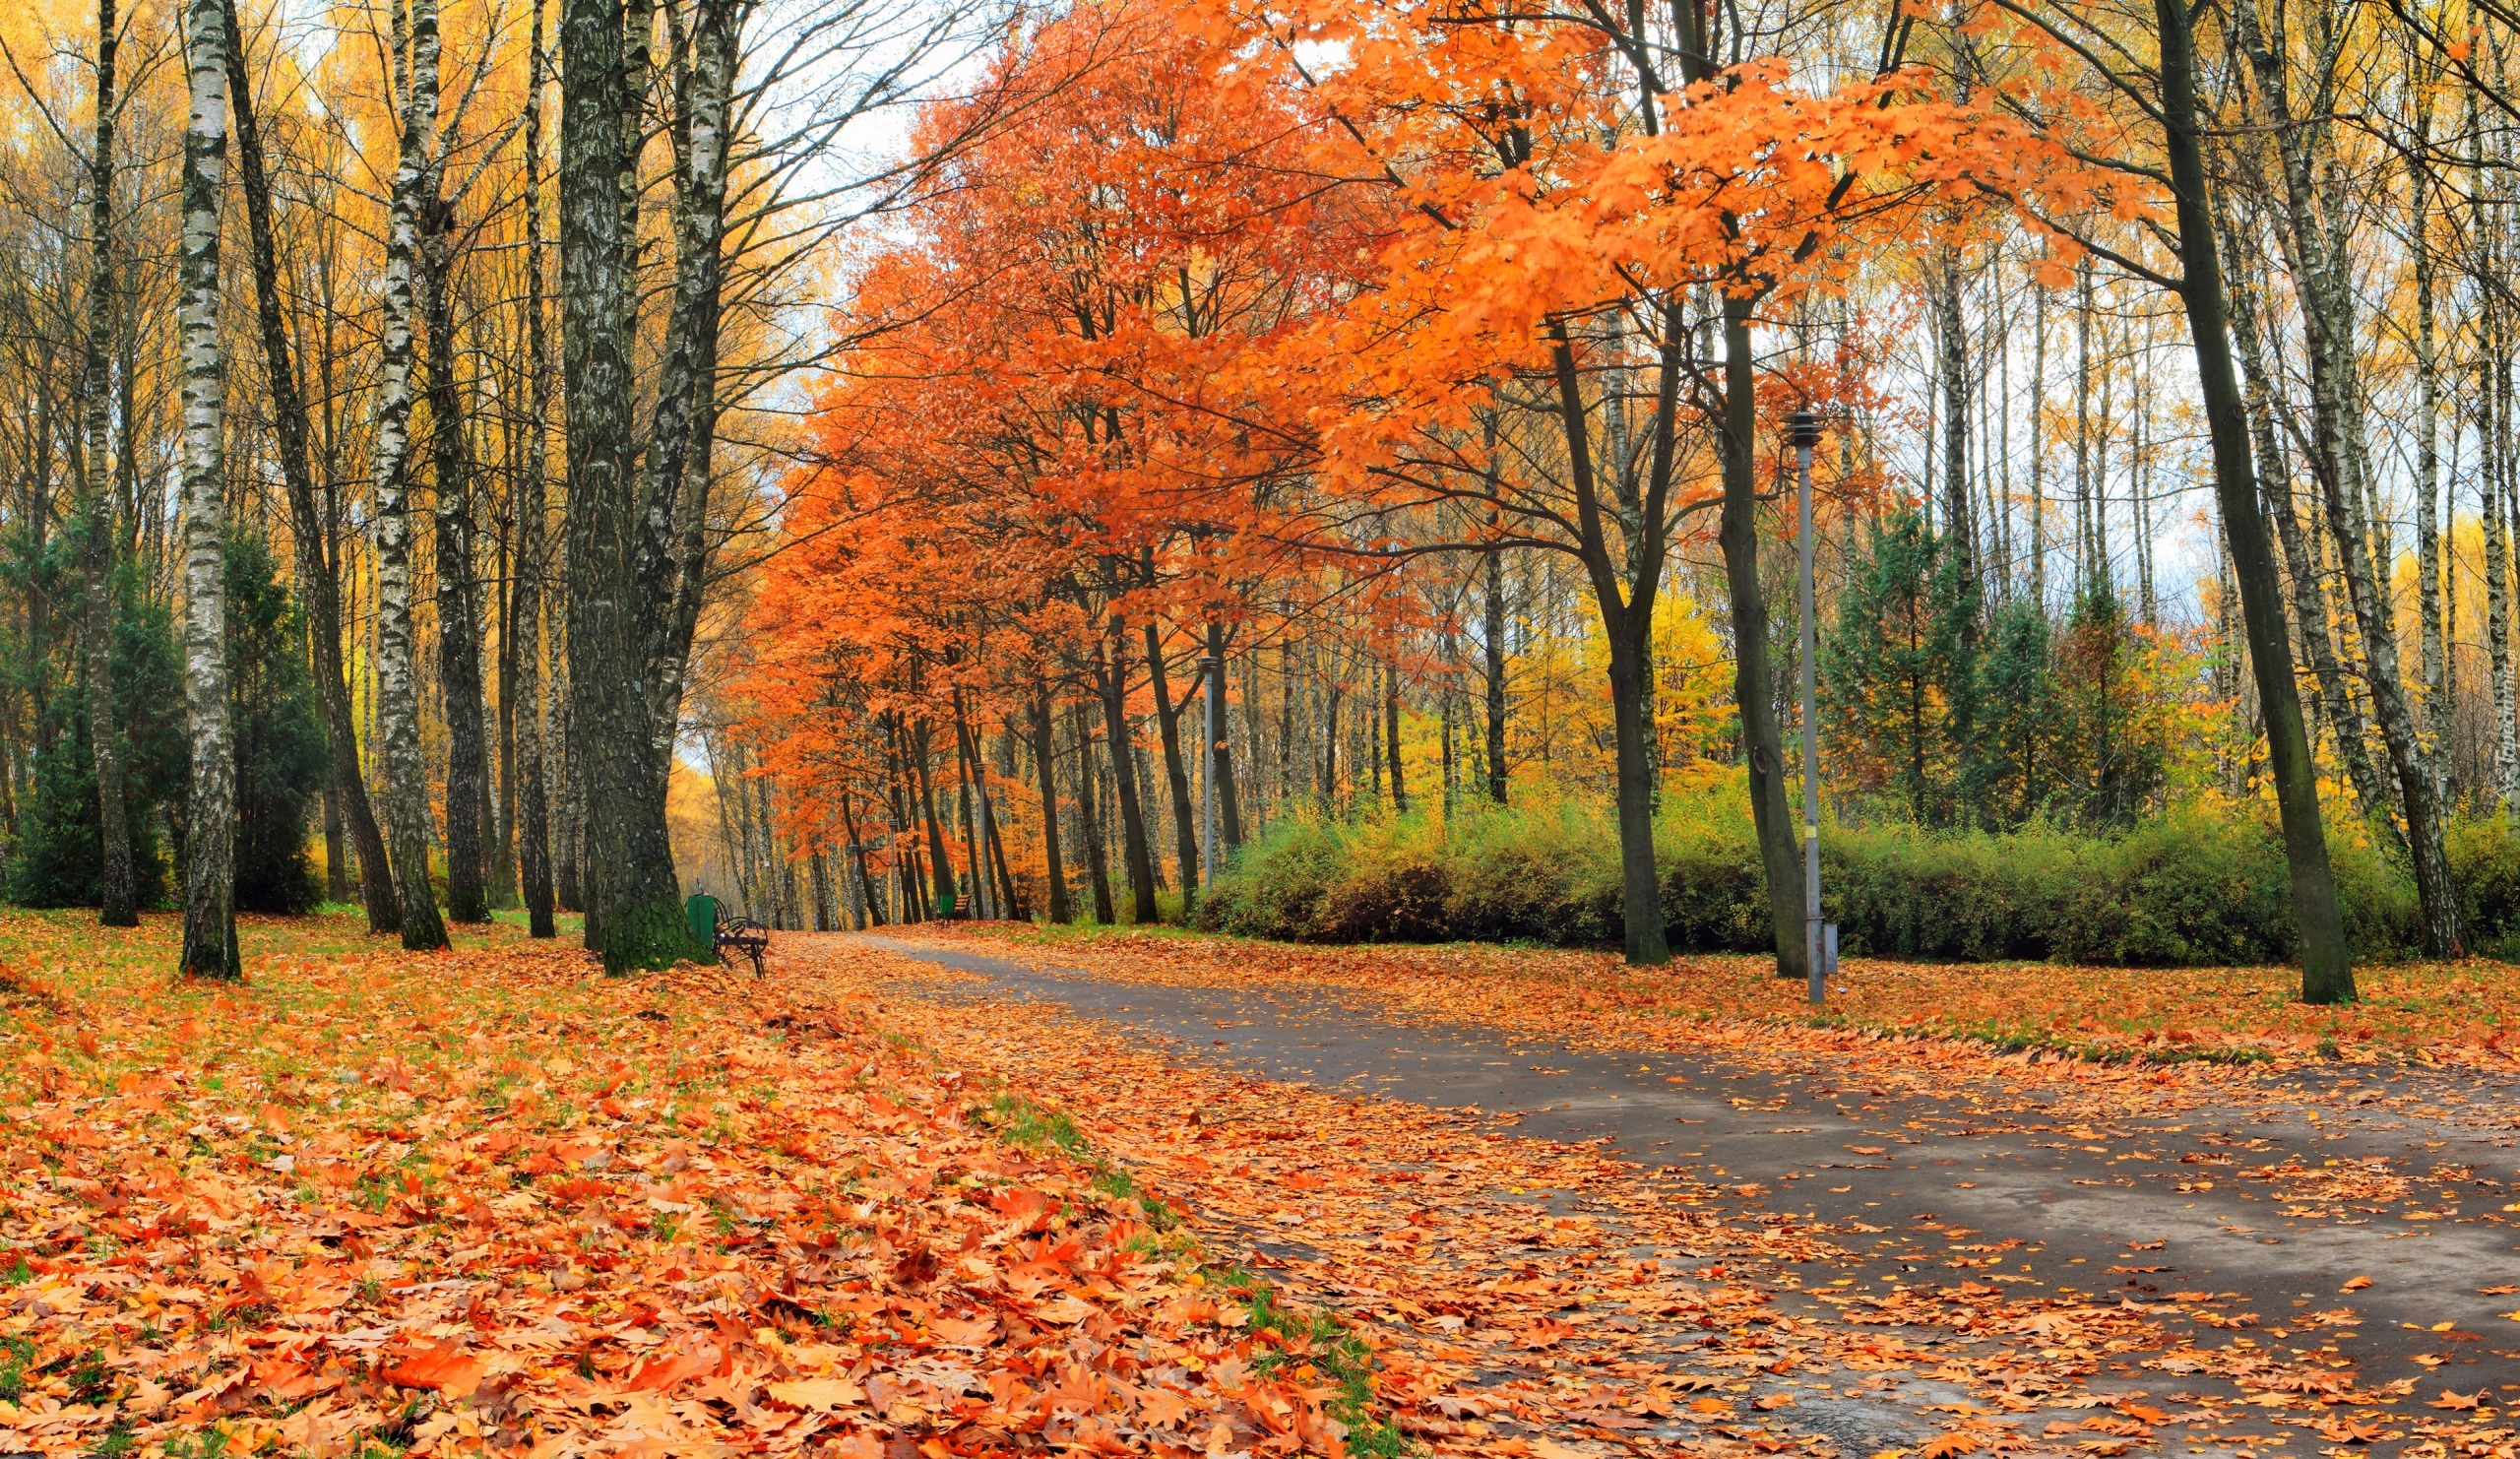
point(2350, 1217)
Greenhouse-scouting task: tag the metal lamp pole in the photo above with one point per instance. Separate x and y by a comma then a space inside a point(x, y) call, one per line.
point(1806, 434)
point(1208, 779)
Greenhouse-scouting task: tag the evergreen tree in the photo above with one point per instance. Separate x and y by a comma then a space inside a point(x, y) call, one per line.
point(1900, 669)
point(281, 758)
point(58, 860)
point(2015, 760)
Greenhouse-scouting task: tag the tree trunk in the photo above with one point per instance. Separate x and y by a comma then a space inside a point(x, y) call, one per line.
point(568, 818)
point(1220, 752)
point(1044, 762)
point(2327, 974)
point(2427, 453)
point(858, 862)
point(1391, 725)
point(1753, 687)
point(1493, 652)
point(1168, 714)
point(398, 695)
point(1111, 673)
point(2313, 247)
point(940, 866)
point(2309, 601)
point(615, 549)
point(318, 577)
point(209, 819)
point(674, 571)
point(1098, 868)
point(533, 811)
point(458, 615)
point(2038, 449)
point(118, 894)
point(1952, 326)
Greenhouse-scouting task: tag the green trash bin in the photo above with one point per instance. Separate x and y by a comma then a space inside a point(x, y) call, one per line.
point(702, 910)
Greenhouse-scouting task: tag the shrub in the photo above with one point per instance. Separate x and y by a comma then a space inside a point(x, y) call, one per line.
point(2200, 885)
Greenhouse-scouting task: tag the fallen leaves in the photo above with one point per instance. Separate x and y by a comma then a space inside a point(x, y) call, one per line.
point(366, 1196)
point(2355, 1284)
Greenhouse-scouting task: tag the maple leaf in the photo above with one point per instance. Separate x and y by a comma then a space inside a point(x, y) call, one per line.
point(2451, 1400)
point(1948, 1445)
point(445, 1366)
point(2355, 1284)
point(659, 1373)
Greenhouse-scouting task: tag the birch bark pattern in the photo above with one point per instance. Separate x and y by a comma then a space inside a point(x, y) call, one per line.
point(318, 570)
point(210, 853)
point(2428, 454)
point(118, 894)
point(2309, 604)
point(407, 806)
point(2315, 247)
point(675, 572)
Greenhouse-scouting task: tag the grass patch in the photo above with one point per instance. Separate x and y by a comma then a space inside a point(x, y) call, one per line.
point(1023, 1124)
point(1318, 1339)
point(1026, 1125)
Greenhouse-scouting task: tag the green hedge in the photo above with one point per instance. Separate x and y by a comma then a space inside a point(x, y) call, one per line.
point(2194, 887)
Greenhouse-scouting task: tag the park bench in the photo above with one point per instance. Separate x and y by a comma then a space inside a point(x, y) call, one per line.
point(740, 934)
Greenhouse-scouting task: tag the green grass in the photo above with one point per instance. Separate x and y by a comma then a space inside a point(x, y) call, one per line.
point(1317, 1337)
point(1020, 1122)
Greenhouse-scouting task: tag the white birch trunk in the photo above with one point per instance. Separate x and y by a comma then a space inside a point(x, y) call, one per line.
point(210, 853)
point(407, 811)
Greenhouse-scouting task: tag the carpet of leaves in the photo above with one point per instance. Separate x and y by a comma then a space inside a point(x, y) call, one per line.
point(369, 1203)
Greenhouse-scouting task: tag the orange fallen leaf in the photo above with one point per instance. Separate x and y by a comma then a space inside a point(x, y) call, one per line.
point(664, 1372)
point(445, 1366)
point(2355, 1284)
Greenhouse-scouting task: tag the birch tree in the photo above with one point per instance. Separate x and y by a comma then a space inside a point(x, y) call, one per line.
point(210, 853)
point(318, 571)
point(118, 903)
point(406, 785)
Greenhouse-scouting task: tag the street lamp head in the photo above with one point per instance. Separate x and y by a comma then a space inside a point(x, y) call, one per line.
point(1806, 429)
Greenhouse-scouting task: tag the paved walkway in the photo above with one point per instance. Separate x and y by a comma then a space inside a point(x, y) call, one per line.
point(2408, 1178)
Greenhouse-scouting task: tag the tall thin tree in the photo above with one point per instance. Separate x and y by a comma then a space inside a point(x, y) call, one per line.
point(118, 904)
point(210, 852)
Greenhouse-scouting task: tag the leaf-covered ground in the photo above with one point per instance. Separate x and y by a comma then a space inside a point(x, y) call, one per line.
point(371, 1202)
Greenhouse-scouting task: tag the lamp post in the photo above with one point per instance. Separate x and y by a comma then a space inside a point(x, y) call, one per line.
point(1215, 666)
point(1806, 434)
